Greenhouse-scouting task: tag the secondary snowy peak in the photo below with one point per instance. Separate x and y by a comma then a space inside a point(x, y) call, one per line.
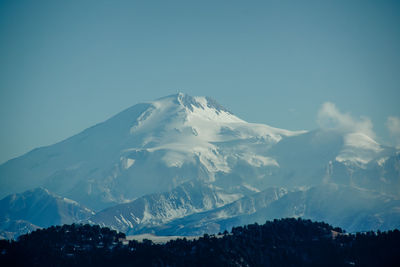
point(20, 213)
point(359, 148)
point(157, 209)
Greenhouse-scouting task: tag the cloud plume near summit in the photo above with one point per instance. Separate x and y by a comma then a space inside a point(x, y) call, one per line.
point(330, 117)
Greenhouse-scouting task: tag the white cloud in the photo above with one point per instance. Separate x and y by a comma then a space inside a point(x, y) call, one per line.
point(393, 125)
point(329, 117)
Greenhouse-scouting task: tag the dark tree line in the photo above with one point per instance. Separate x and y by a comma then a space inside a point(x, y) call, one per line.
point(286, 242)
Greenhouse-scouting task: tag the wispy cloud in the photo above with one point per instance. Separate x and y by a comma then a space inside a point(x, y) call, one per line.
point(329, 117)
point(393, 126)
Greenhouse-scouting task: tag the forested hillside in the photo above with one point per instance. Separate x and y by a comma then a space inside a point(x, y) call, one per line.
point(286, 242)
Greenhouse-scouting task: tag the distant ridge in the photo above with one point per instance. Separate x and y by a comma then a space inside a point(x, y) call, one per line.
point(21, 213)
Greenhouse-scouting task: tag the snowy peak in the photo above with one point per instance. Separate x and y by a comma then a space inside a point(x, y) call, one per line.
point(186, 116)
point(185, 106)
point(359, 148)
point(196, 130)
point(42, 208)
point(190, 102)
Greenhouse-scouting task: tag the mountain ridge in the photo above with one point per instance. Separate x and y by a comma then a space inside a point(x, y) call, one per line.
point(37, 208)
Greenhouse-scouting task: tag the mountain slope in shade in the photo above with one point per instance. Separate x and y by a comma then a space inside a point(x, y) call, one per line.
point(208, 221)
point(350, 208)
point(38, 208)
point(353, 209)
point(12, 229)
point(160, 208)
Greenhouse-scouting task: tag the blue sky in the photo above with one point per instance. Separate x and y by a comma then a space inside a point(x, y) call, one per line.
point(66, 65)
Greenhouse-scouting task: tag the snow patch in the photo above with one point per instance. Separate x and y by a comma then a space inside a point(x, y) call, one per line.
point(259, 161)
point(227, 198)
point(127, 222)
point(127, 162)
point(382, 161)
point(251, 188)
point(70, 201)
point(174, 159)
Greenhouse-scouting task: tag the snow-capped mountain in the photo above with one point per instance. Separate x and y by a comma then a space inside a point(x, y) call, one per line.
point(213, 221)
point(165, 162)
point(164, 143)
point(348, 207)
point(21, 213)
point(160, 208)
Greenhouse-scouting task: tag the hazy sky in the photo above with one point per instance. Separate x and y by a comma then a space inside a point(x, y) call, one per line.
point(66, 65)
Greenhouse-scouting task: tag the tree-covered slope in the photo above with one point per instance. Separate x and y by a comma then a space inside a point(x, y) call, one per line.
point(286, 242)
